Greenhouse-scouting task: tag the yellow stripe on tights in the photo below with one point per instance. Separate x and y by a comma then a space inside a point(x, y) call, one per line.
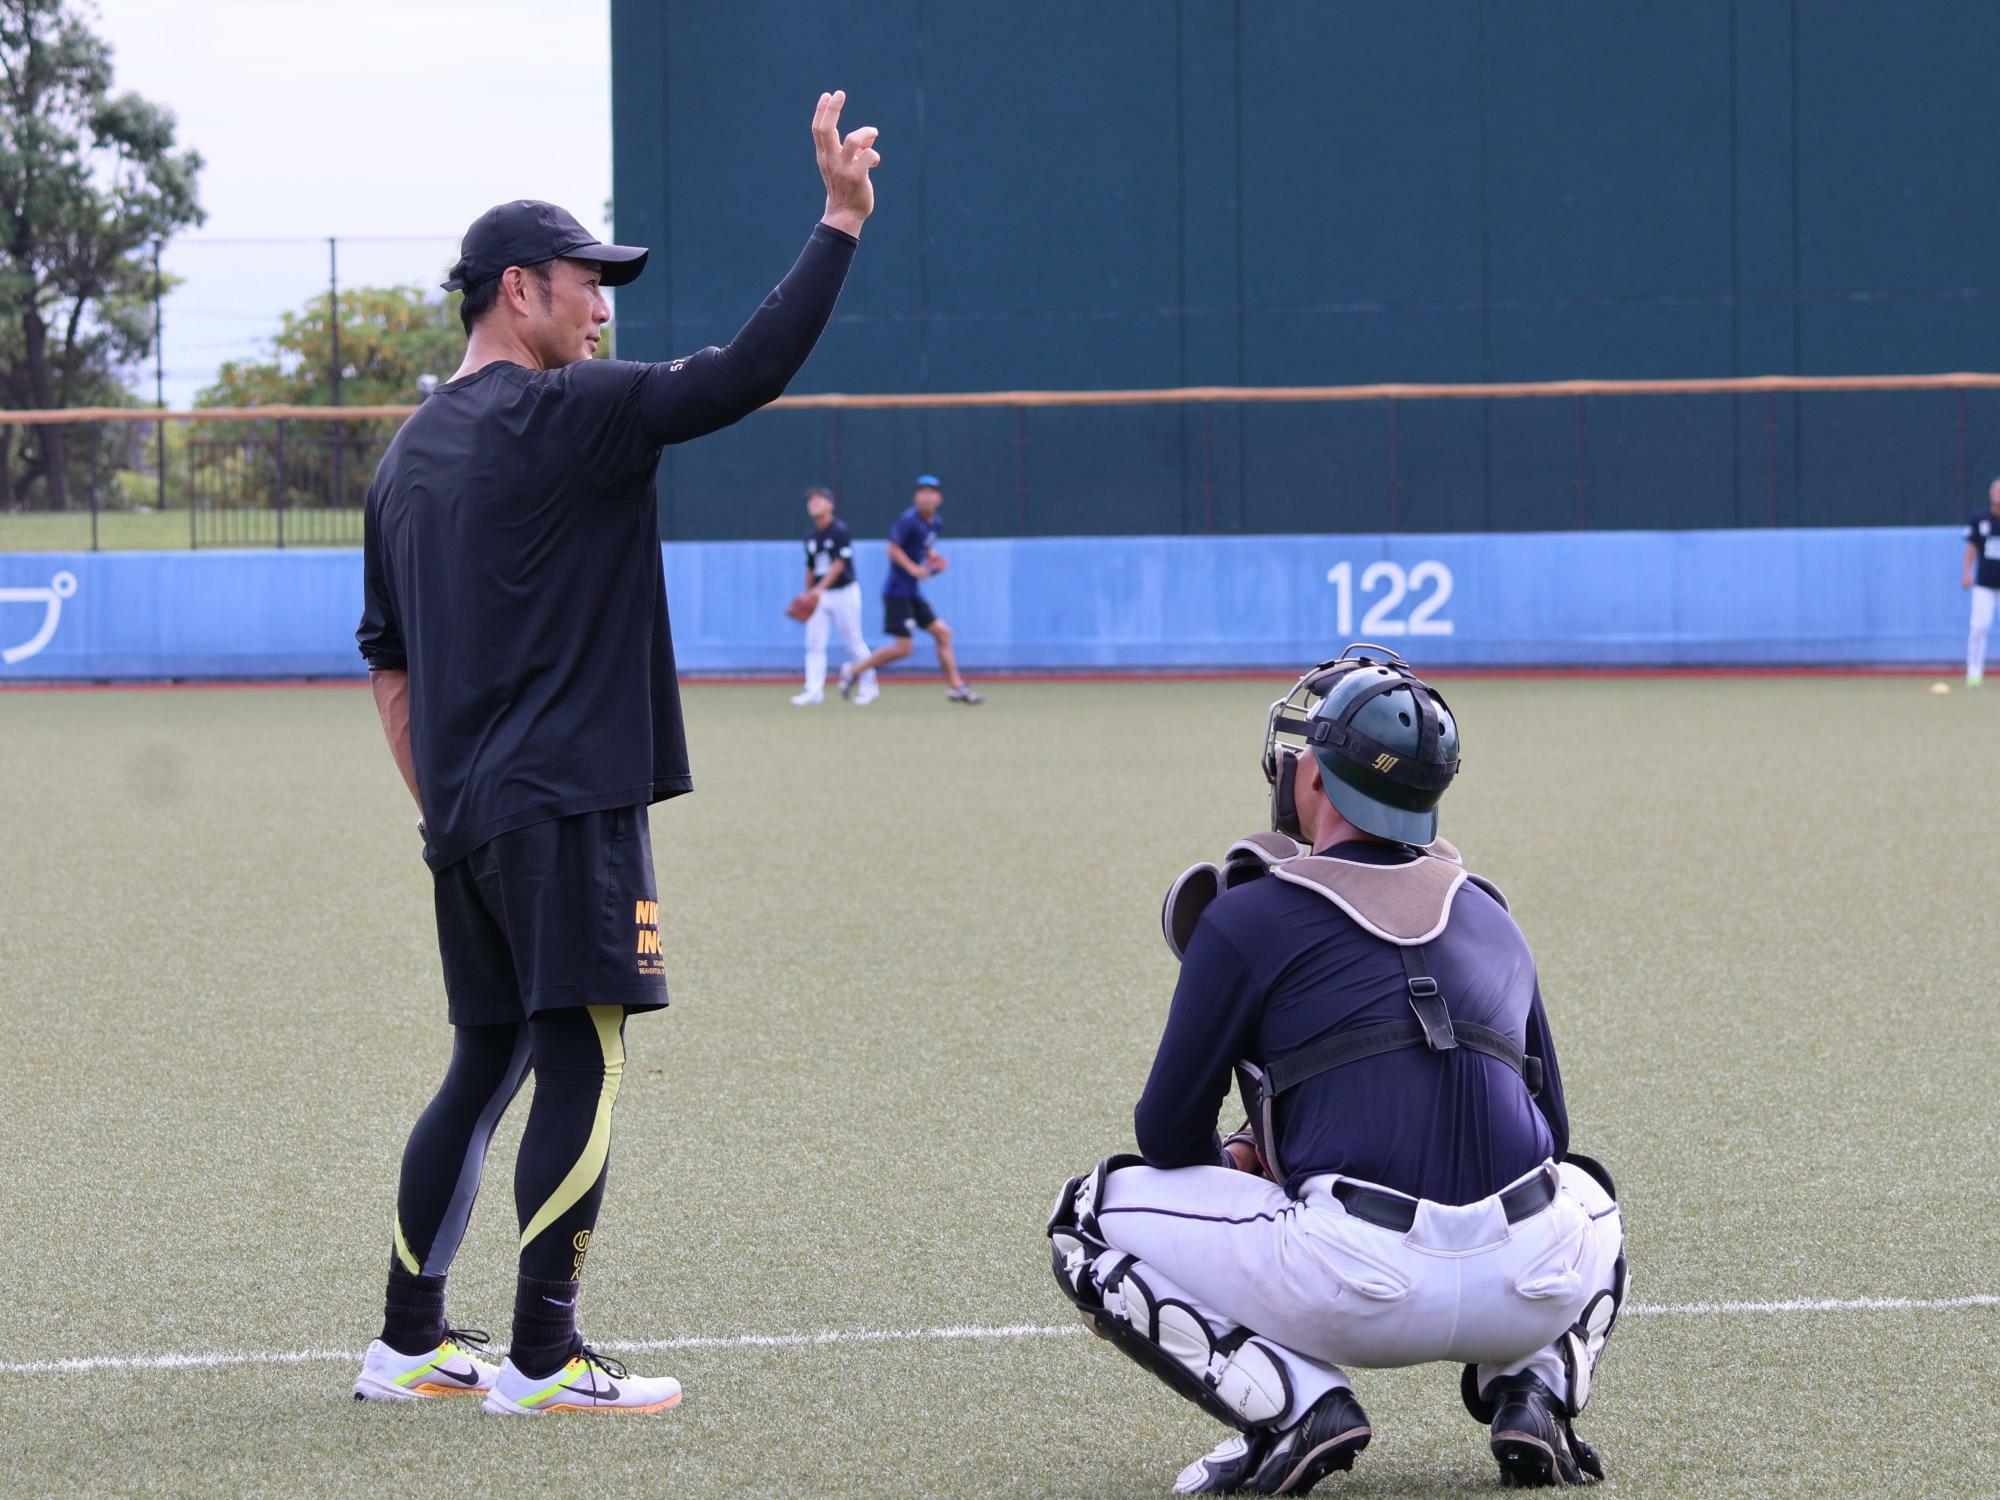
point(589, 1166)
point(403, 1251)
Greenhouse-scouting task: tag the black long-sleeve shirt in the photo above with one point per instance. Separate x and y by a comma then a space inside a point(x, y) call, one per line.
point(512, 566)
point(1271, 966)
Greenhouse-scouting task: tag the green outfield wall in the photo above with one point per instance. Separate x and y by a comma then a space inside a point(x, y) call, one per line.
point(1158, 194)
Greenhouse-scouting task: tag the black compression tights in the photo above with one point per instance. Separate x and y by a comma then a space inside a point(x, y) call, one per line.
point(578, 1059)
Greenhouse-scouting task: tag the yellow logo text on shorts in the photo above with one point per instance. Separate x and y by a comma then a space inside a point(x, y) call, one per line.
point(646, 917)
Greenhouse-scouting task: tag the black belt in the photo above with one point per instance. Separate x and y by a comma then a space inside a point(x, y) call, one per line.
point(1393, 1211)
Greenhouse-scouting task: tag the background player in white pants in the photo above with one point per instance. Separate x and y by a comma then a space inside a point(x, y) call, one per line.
point(1382, 1013)
point(1982, 577)
point(832, 583)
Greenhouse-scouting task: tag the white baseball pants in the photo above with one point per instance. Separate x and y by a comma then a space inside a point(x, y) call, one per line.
point(1982, 626)
point(839, 609)
point(1323, 1289)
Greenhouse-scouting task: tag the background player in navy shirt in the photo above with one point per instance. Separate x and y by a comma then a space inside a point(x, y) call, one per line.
point(833, 587)
point(1380, 1009)
point(515, 626)
point(1982, 577)
point(913, 557)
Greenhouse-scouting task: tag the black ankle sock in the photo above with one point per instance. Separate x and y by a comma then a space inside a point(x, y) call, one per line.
point(545, 1336)
point(413, 1312)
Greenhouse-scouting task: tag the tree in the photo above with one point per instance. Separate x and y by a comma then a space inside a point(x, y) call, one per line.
point(89, 183)
point(389, 336)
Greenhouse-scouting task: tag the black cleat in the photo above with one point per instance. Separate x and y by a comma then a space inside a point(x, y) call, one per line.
point(1532, 1439)
point(1290, 1462)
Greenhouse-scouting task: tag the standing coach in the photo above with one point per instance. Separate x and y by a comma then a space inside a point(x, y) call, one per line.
point(515, 629)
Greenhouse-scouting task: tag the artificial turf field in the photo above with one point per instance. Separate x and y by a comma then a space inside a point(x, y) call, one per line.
point(917, 977)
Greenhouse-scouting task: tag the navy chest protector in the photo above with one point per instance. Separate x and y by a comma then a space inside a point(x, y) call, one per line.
point(1407, 904)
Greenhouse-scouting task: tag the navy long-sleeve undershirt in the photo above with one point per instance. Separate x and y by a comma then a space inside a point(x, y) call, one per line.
point(1271, 966)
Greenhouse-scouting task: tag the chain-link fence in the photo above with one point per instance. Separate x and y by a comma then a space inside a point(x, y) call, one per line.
point(224, 303)
point(359, 322)
point(342, 322)
point(1572, 456)
point(277, 477)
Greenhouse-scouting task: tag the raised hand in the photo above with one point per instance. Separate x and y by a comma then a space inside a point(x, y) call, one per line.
point(844, 165)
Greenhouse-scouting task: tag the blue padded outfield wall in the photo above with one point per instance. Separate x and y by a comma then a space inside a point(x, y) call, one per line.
point(1880, 596)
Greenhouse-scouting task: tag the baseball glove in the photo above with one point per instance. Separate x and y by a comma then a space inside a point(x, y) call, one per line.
point(1241, 1149)
point(802, 607)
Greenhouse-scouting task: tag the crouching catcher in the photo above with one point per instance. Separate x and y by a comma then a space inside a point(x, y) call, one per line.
point(1404, 1191)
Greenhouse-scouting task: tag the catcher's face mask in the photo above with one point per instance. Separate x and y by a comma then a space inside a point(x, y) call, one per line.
point(1285, 731)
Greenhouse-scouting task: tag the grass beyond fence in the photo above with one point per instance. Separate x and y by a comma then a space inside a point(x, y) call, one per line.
point(168, 530)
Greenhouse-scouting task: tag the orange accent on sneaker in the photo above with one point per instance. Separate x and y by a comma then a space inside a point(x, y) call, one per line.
point(673, 1400)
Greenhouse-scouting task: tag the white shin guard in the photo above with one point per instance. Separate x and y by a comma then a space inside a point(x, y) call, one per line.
point(1583, 1345)
point(1222, 1367)
point(1239, 1373)
point(1568, 1367)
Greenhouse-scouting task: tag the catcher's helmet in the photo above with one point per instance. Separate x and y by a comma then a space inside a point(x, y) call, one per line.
point(1386, 742)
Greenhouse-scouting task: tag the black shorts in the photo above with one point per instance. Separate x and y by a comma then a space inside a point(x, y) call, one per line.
point(898, 610)
point(557, 914)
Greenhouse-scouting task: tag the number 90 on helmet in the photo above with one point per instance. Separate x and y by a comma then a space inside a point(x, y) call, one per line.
point(1386, 742)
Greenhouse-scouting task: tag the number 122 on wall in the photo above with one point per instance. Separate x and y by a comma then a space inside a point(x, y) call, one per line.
point(1395, 585)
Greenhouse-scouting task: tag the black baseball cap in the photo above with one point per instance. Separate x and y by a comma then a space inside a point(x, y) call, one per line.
point(526, 233)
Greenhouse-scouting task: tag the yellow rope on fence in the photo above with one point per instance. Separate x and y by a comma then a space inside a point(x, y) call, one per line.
point(1169, 396)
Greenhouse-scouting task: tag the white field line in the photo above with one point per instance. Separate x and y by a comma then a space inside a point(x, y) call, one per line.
point(221, 1358)
point(1809, 1304)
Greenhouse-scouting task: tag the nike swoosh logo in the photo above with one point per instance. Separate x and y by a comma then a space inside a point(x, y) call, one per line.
point(470, 1377)
point(553, 1303)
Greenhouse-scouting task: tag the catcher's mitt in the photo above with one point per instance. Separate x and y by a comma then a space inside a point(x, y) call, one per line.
point(802, 607)
point(1241, 1149)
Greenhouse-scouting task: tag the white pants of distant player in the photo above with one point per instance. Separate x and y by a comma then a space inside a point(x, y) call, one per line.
point(839, 609)
point(1461, 1285)
point(1982, 626)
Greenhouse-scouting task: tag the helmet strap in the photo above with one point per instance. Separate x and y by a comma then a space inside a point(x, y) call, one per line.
point(1425, 770)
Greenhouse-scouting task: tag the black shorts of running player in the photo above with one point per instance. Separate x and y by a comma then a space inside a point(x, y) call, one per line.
point(561, 913)
point(898, 611)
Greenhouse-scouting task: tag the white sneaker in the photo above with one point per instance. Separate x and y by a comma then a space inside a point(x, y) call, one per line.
point(1973, 679)
point(804, 700)
point(448, 1370)
point(868, 693)
point(590, 1382)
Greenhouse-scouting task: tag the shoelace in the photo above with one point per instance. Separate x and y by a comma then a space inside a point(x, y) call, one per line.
point(612, 1367)
point(468, 1339)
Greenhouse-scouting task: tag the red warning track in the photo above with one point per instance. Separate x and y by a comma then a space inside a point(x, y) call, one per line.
point(1267, 674)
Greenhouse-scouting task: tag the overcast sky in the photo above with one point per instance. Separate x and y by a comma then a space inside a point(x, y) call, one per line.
point(377, 116)
point(395, 119)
